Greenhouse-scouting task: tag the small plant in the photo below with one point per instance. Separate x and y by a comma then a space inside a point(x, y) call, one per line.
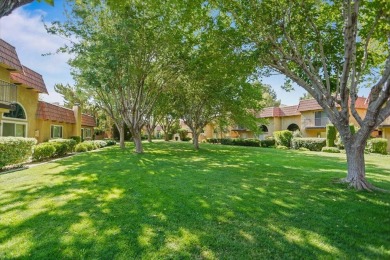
point(282, 147)
point(283, 138)
point(328, 149)
point(81, 148)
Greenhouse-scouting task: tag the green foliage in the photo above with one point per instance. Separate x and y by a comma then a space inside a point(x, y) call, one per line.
point(90, 145)
point(186, 139)
point(241, 142)
point(100, 143)
point(303, 149)
point(330, 135)
point(282, 147)
point(327, 149)
point(313, 144)
point(283, 138)
point(182, 133)
point(81, 148)
point(213, 140)
point(352, 129)
point(110, 142)
point(76, 138)
point(69, 146)
point(377, 145)
point(14, 150)
point(267, 142)
point(44, 151)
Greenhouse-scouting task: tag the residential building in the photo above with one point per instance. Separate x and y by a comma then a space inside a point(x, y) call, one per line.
point(21, 112)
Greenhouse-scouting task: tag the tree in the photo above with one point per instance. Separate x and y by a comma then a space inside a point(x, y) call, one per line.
point(7, 6)
point(306, 96)
point(329, 48)
point(269, 97)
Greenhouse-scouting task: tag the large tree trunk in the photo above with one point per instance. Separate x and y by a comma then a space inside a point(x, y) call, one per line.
point(195, 140)
point(122, 136)
point(137, 141)
point(149, 135)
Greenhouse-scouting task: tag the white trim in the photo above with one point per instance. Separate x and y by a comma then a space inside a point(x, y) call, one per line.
point(62, 132)
point(13, 122)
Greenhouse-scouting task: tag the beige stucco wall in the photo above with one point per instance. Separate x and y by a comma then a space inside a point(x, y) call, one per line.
point(44, 128)
point(386, 134)
point(286, 121)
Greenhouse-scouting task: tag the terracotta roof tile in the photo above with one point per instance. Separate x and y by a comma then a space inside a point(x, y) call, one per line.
point(47, 111)
point(361, 102)
point(9, 57)
point(87, 120)
point(30, 78)
point(266, 112)
point(308, 104)
point(290, 111)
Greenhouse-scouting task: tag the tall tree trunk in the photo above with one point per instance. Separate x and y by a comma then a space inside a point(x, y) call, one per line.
point(356, 176)
point(195, 140)
point(122, 136)
point(7, 6)
point(137, 141)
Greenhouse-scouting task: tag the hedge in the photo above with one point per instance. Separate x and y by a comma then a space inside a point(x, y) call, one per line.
point(330, 135)
point(81, 147)
point(283, 138)
point(76, 138)
point(377, 145)
point(328, 149)
point(14, 150)
point(62, 150)
point(267, 143)
point(43, 151)
point(313, 144)
point(241, 142)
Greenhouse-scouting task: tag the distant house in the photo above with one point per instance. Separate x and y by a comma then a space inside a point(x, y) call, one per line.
point(309, 117)
point(21, 112)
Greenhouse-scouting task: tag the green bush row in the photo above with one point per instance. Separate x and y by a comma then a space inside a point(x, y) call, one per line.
point(14, 150)
point(377, 145)
point(313, 144)
point(241, 142)
point(327, 149)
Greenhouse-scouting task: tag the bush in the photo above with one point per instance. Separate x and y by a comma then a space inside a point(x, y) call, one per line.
point(90, 145)
point(182, 133)
point(213, 140)
point(186, 139)
point(330, 135)
point(70, 145)
point(267, 143)
point(327, 149)
point(313, 144)
point(377, 145)
point(81, 148)
point(297, 133)
point(110, 142)
point(240, 142)
point(15, 150)
point(43, 151)
point(100, 143)
point(281, 147)
point(303, 149)
point(76, 138)
point(61, 148)
point(283, 138)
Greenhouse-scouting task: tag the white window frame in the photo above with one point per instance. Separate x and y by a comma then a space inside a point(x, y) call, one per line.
point(15, 122)
point(85, 130)
point(51, 132)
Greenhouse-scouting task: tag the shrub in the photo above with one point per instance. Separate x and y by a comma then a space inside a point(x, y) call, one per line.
point(70, 145)
point(327, 149)
point(313, 144)
point(213, 140)
point(281, 147)
point(110, 142)
point(182, 133)
point(15, 150)
point(227, 141)
point(81, 148)
point(303, 149)
point(76, 138)
point(297, 133)
point(186, 139)
point(43, 151)
point(330, 135)
point(377, 145)
point(100, 143)
point(90, 145)
point(283, 138)
point(267, 143)
point(61, 148)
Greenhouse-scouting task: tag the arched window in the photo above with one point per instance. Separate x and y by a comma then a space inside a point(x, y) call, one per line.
point(293, 127)
point(17, 111)
point(263, 128)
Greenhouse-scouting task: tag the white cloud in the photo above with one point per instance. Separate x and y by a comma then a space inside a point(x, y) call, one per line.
point(26, 32)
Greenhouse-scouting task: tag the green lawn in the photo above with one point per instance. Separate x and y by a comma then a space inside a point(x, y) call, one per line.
point(173, 202)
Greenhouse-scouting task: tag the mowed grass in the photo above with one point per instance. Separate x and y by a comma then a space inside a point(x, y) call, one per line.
point(172, 202)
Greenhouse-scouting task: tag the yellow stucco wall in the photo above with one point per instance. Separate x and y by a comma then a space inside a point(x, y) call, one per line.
point(386, 134)
point(286, 121)
point(44, 129)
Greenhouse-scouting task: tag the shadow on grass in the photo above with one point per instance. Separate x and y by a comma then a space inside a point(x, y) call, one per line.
point(173, 202)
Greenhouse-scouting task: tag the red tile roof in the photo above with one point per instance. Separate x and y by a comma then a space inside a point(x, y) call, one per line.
point(30, 78)
point(87, 120)
point(279, 111)
point(8, 56)
point(308, 105)
point(47, 111)
point(361, 102)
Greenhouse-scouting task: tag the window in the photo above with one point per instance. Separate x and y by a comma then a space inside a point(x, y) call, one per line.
point(17, 111)
point(263, 128)
point(56, 131)
point(86, 133)
point(321, 119)
point(14, 129)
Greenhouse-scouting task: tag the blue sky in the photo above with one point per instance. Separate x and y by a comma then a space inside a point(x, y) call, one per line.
point(24, 30)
